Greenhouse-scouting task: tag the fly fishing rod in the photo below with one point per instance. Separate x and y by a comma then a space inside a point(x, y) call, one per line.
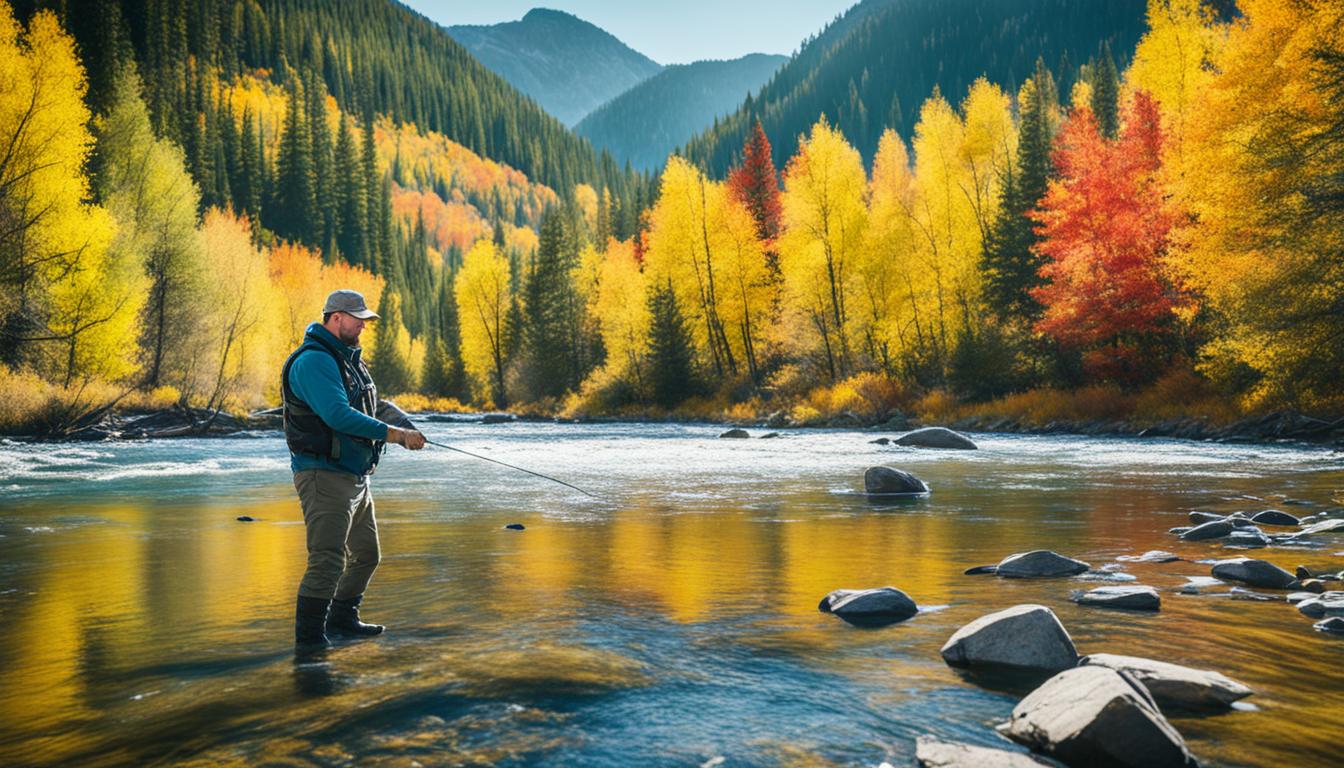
point(510, 466)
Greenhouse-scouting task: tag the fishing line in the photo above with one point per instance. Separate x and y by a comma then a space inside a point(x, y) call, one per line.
point(510, 466)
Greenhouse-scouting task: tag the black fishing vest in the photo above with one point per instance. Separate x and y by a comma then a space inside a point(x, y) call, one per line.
point(305, 432)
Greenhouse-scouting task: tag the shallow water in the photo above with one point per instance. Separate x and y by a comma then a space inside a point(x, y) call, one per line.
point(671, 623)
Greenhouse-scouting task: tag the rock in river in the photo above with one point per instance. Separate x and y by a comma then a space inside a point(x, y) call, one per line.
point(936, 753)
point(888, 480)
point(735, 433)
point(1151, 556)
point(870, 607)
point(1097, 716)
point(1037, 564)
point(1135, 598)
point(1247, 537)
point(1173, 686)
point(1334, 625)
point(1214, 529)
point(1323, 606)
point(1274, 517)
point(1026, 637)
point(936, 437)
point(1257, 573)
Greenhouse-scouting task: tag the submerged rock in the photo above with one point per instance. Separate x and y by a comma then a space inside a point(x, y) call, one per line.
point(1173, 686)
point(1151, 556)
point(1027, 637)
point(1214, 529)
point(1322, 606)
point(870, 607)
point(880, 441)
point(1134, 598)
point(515, 527)
point(1199, 518)
point(735, 434)
point(936, 437)
point(1325, 526)
point(1040, 563)
point(769, 436)
point(936, 753)
point(1257, 573)
point(1334, 625)
point(888, 480)
point(980, 570)
point(1274, 517)
point(1097, 716)
point(1245, 537)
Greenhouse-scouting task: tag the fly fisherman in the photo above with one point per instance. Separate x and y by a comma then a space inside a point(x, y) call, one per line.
point(336, 428)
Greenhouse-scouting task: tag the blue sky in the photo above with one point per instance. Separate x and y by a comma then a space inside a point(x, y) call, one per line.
point(667, 32)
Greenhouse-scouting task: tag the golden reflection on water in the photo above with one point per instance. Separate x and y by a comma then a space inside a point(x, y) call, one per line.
point(167, 623)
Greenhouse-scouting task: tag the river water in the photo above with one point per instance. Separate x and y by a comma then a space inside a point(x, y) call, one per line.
point(672, 622)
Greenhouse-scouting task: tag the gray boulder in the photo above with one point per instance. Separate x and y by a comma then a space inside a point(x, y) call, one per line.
point(936, 437)
point(1215, 529)
point(1040, 563)
point(1027, 637)
point(888, 480)
point(1173, 686)
point(1257, 573)
point(936, 753)
point(870, 607)
point(1333, 625)
point(1247, 537)
point(1097, 716)
point(735, 433)
point(1134, 598)
point(1322, 606)
point(1274, 517)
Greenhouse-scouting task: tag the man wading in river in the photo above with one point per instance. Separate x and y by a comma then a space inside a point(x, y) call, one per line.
point(336, 428)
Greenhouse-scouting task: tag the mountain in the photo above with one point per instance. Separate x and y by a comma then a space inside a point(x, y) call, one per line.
point(568, 65)
point(644, 124)
point(874, 66)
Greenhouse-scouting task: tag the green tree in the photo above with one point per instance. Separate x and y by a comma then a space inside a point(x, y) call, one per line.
point(389, 363)
point(671, 370)
point(1106, 93)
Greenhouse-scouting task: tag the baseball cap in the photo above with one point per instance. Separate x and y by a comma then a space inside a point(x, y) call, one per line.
point(349, 302)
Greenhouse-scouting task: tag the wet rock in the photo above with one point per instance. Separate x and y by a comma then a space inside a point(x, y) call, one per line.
point(246, 519)
point(769, 435)
point(871, 607)
point(1180, 529)
point(936, 753)
point(1241, 593)
point(980, 570)
point(936, 437)
point(1333, 625)
point(888, 480)
point(1198, 585)
point(1151, 556)
point(1107, 576)
point(880, 441)
point(1313, 585)
point(835, 595)
point(1215, 529)
point(497, 418)
point(1294, 598)
point(1257, 573)
point(1134, 598)
point(1323, 605)
point(1199, 518)
point(515, 527)
point(1097, 716)
point(736, 434)
point(1274, 517)
point(1026, 637)
point(1244, 537)
point(1173, 686)
point(1041, 563)
point(1325, 526)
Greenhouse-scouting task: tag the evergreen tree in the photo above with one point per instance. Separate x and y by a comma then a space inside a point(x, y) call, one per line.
point(1106, 94)
point(550, 324)
point(671, 371)
point(292, 212)
point(1011, 267)
point(350, 197)
point(389, 365)
point(445, 375)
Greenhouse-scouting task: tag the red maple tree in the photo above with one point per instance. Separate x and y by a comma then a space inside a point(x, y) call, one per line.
point(1106, 224)
point(756, 184)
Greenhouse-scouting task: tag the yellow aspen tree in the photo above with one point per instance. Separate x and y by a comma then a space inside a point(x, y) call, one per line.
point(483, 294)
point(824, 220)
point(988, 147)
point(681, 249)
point(746, 289)
point(891, 289)
point(1175, 61)
point(1265, 246)
point(622, 310)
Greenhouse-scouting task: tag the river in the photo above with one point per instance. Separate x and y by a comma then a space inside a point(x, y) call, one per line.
point(671, 622)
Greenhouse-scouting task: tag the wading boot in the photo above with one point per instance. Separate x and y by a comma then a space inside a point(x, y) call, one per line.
point(310, 620)
point(344, 620)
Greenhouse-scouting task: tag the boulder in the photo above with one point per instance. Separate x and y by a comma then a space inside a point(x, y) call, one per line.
point(1246, 537)
point(936, 437)
point(1037, 564)
point(1257, 573)
point(1333, 625)
point(497, 418)
point(1323, 606)
point(1173, 686)
point(1274, 517)
point(1199, 518)
point(735, 434)
point(1097, 716)
point(1214, 529)
point(769, 435)
point(936, 753)
point(1134, 598)
point(1027, 637)
point(888, 480)
point(870, 607)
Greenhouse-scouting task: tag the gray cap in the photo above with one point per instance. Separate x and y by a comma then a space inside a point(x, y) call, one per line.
point(349, 302)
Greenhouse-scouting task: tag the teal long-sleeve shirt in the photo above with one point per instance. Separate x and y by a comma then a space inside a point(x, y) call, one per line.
point(315, 378)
